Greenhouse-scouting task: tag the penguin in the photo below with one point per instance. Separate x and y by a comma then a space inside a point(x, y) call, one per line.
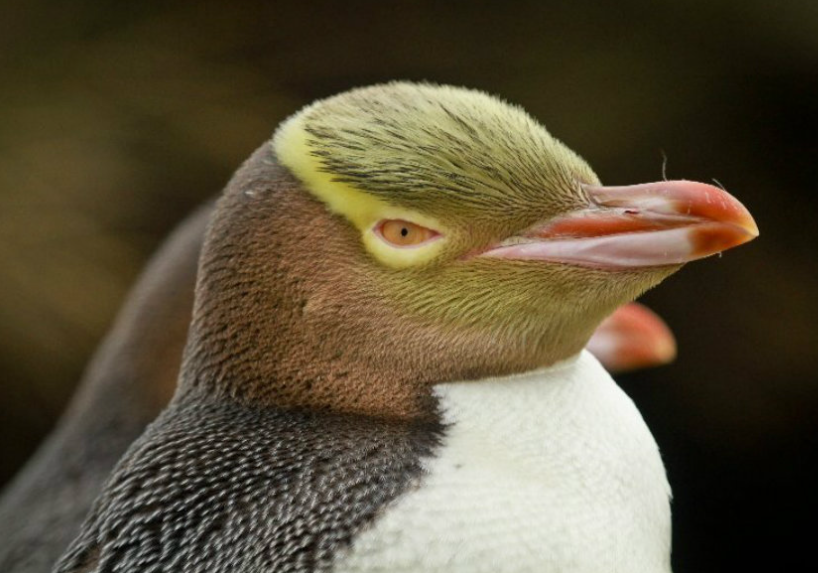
point(384, 369)
point(132, 378)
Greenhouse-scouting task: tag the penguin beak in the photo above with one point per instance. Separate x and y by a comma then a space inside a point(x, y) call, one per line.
point(632, 337)
point(653, 224)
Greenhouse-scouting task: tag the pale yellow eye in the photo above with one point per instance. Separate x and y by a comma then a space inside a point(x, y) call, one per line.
point(404, 234)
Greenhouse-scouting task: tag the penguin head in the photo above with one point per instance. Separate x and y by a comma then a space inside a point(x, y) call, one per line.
point(443, 232)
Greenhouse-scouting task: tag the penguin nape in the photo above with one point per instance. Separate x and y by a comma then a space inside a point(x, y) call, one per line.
point(384, 368)
point(132, 376)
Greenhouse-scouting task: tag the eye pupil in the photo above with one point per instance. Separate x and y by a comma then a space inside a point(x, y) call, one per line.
point(404, 233)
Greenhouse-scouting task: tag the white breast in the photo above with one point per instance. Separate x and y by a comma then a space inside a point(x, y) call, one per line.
point(550, 471)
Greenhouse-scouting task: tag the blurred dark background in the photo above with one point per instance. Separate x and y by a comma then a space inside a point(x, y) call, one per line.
point(116, 119)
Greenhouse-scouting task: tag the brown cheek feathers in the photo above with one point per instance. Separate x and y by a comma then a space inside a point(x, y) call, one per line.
point(289, 315)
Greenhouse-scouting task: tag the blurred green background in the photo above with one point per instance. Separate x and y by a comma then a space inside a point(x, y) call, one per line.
point(118, 118)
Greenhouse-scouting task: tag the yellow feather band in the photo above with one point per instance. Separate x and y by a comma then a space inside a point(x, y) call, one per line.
point(360, 208)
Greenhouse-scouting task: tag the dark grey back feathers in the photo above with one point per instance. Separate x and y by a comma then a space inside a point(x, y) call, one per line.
point(219, 487)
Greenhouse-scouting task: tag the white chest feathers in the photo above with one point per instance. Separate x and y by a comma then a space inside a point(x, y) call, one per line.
point(549, 471)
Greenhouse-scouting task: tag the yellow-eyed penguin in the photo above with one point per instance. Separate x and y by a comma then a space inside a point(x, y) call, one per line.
point(383, 371)
point(132, 376)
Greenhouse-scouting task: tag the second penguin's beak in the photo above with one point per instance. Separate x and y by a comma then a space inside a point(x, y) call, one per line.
point(633, 337)
point(653, 224)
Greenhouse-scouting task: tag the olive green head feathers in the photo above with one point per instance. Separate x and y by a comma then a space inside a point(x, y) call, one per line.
point(471, 165)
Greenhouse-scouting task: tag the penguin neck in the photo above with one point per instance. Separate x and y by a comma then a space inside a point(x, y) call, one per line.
point(278, 325)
